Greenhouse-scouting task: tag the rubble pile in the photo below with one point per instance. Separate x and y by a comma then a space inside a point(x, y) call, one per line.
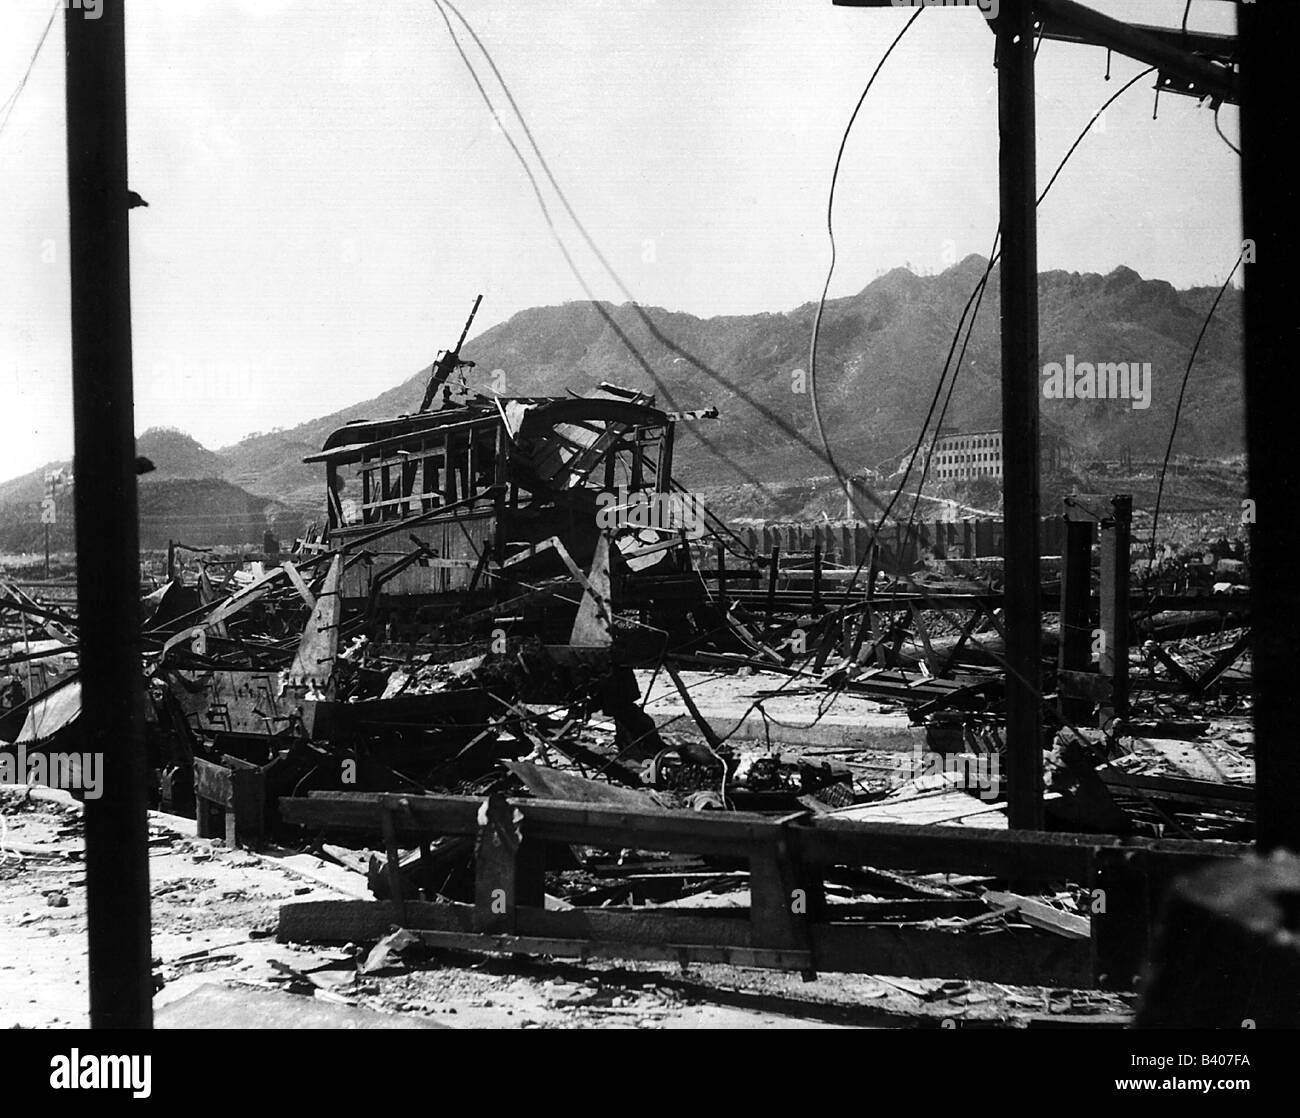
point(481, 627)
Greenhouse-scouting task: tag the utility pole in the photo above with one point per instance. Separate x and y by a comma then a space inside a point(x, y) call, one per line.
point(1020, 497)
point(1268, 125)
point(49, 516)
point(108, 573)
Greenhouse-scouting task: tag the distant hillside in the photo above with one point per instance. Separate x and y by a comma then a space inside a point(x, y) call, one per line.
point(878, 361)
point(879, 358)
point(205, 512)
point(175, 455)
point(200, 512)
point(185, 497)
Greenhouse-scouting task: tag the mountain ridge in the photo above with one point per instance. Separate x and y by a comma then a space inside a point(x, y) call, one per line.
point(879, 356)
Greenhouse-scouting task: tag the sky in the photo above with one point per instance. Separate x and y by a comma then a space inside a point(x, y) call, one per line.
point(327, 191)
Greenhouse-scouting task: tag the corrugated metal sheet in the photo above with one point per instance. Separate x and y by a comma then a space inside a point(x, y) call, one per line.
point(51, 713)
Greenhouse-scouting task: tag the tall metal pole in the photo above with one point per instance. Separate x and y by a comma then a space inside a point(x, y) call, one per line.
point(1020, 501)
point(1269, 119)
point(108, 572)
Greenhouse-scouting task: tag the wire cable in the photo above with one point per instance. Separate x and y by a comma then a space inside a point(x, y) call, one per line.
point(995, 255)
point(7, 108)
point(737, 390)
point(712, 374)
point(830, 270)
point(1218, 128)
point(564, 250)
point(977, 294)
point(1178, 408)
point(976, 297)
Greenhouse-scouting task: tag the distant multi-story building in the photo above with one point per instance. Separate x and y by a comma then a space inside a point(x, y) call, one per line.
point(963, 455)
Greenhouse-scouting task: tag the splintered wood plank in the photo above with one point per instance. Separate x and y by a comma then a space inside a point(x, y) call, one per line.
point(554, 784)
point(1042, 915)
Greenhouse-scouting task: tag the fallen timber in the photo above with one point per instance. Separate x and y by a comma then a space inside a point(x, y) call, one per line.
point(789, 925)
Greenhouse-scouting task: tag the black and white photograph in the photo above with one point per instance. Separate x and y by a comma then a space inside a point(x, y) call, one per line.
point(648, 515)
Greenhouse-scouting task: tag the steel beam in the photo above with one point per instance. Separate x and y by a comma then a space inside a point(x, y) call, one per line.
point(1196, 74)
point(1206, 44)
point(1181, 56)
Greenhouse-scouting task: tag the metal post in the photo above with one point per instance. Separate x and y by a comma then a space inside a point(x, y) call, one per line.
point(49, 492)
point(1114, 546)
point(1019, 290)
point(1269, 117)
point(817, 578)
point(1076, 602)
point(722, 577)
point(108, 573)
point(771, 587)
point(27, 651)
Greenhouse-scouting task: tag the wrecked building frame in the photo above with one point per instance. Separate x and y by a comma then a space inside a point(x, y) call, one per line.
point(116, 852)
point(1186, 73)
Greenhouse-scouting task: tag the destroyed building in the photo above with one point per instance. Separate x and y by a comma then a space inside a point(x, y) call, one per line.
point(519, 692)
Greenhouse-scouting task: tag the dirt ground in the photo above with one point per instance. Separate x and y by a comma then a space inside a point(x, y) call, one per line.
point(214, 916)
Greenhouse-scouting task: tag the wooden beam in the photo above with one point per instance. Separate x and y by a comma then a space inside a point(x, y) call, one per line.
point(1042, 915)
point(1010, 956)
point(817, 841)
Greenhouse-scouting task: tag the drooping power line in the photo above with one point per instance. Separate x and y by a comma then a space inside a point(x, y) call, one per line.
point(7, 109)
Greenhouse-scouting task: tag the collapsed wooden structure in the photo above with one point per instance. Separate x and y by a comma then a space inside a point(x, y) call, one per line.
point(109, 631)
point(789, 924)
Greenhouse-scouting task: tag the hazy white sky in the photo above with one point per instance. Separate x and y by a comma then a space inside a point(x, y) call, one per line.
point(327, 192)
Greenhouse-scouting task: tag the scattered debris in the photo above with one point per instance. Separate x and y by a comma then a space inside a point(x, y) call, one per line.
point(519, 658)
